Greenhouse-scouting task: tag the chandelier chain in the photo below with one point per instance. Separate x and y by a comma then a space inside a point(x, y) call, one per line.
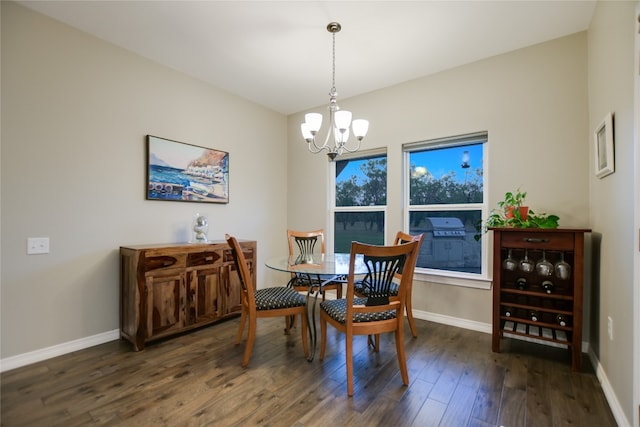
point(333, 77)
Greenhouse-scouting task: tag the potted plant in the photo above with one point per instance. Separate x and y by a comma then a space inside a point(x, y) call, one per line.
point(513, 205)
point(513, 213)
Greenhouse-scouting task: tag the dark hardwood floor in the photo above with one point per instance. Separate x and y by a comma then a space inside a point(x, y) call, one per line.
point(196, 380)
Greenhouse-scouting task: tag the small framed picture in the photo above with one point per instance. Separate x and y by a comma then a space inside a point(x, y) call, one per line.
point(188, 173)
point(604, 154)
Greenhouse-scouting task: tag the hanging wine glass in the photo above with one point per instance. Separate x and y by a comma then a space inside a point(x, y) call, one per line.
point(544, 267)
point(526, 264)
point(509, 263)
point(562, 268)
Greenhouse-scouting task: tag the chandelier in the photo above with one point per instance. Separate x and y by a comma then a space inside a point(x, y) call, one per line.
point(339, 120)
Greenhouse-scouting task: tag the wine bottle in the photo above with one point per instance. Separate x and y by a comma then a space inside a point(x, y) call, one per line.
point(509, 311)
point(561, 319)
point(547, 285)
point(534, 315)
point(521, 283)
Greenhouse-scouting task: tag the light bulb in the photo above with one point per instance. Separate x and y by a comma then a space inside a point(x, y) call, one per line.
point(360, 128)
point(343, 119)
point(314, 121)
point(306, 133)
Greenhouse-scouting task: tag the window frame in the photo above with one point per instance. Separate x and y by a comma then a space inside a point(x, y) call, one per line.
point(447, 277)
point(330, 226)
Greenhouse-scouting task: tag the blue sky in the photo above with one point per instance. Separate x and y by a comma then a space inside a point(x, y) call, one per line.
point(438, 162)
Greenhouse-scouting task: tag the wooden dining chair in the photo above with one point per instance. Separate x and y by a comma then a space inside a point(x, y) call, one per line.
point(361, 289)
point(379, 312)
point(279, 301)
point(301, 244)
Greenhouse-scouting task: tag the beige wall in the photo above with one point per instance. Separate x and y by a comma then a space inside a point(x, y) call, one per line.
point(75, 112)
point(611, 69)
point(533, 103)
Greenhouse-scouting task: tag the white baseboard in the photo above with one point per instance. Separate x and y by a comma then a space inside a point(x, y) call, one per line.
point(612, 399)
point(24, 359)
point(453, 321)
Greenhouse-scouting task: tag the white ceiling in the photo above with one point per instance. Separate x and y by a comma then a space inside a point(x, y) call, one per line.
point(278, 53)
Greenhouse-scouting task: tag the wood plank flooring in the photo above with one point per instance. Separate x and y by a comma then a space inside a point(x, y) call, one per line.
point(196, 380)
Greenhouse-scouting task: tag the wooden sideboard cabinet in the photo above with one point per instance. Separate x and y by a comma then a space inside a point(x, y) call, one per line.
point(168, 289)
point(531, 304)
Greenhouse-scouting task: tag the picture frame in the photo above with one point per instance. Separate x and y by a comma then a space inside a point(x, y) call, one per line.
point(177, 171)
point(604, 150)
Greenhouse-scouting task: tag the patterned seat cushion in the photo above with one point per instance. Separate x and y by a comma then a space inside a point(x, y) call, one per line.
point(362, 290)
point(278, 297)
point(337, 310)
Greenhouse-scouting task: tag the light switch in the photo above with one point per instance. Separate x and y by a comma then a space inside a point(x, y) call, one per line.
point(37, 245)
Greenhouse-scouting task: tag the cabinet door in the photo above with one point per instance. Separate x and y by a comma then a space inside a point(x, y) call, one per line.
point(204, 296)
point(165, 298)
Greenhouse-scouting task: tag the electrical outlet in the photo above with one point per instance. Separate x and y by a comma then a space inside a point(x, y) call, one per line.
point(37, 245)
point(610, 327)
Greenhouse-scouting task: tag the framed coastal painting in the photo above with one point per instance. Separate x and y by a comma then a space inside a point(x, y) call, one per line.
point(177, 171)
point(604, 152)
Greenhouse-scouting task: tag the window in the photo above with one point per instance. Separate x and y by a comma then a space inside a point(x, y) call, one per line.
point(360, 200)
point(444, 199)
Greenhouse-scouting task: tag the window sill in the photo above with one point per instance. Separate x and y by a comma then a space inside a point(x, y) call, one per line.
point(455, 280)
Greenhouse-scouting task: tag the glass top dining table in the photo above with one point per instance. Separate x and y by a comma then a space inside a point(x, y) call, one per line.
point(318, 264)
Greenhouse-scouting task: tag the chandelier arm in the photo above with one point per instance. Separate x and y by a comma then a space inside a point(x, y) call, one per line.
point(348, 150)
point(314, 148)
point(325, 146)
point(318, 148)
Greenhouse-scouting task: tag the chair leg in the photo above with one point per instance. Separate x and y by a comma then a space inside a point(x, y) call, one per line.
point(243, 319)
point(249, 345)
point(349, 345)
point(289, 322)
point(412, 324)
point(338, 288)
point(323, 336)
point(303, 322)
point(402, 359)
point(375, 344)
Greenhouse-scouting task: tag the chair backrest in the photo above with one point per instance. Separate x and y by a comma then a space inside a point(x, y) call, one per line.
point(305, 241)
point(402, 237)
point(384, 264)
point(248, 297)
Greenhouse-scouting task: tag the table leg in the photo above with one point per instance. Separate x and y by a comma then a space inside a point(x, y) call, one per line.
point(311, 318)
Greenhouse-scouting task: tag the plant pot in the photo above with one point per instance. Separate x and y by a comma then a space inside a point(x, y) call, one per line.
point(523, 212)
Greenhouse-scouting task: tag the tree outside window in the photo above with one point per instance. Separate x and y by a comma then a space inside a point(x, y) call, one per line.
point(360, 201)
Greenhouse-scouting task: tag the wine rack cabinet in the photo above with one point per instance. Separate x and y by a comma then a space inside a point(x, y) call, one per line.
point(538, 287)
